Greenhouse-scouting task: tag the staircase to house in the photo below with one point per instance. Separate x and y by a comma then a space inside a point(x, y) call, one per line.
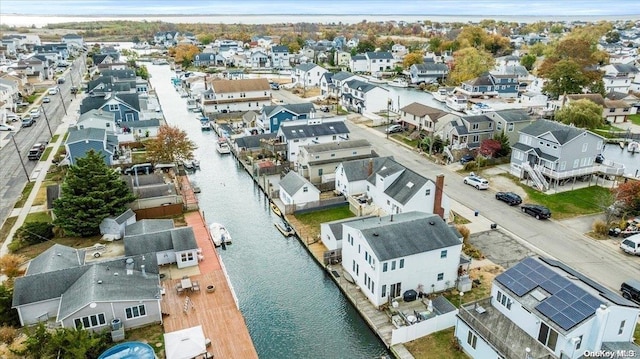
point(537, 177)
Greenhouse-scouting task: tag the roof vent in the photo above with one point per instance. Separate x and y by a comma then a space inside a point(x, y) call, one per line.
point(432, 223)
point(115, 274)
point(99, 282)
point(375, 234)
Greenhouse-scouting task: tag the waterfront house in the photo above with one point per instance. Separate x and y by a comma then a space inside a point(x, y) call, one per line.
point(387, 256)
point(112, 228)
point(331, 232)
point(151, 191)
point(549, 149)
point(61, 289)
point(307, 75)
point(331, 84)
point(428, 72)
point(125, 106)
point(379, 61)
point(469, 131)
point(318, 162)
point(223, 96)
point(351, 176)
point(358, 64)
point(74, 39)
point(312, 131)
point(206, 59)
point(490, 85)
point(417, 116)
point(395, 189)
point(296, 191)
point(510, 122)
point(166, 38)
point(364, 97)
point(613, 111)
point(159, 237)
point(541, 308)
point(81, 141)
point(279, 57)
point(271, 117)
point(259, 59)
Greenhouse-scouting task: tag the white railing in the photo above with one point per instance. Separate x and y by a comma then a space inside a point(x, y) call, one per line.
point(535, 176)
point(610, 168)
point(538, 170)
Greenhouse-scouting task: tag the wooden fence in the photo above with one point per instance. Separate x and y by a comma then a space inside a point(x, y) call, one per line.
point(157, 212)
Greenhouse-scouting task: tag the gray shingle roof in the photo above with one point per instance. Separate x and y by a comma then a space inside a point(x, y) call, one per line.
point(431, 67)
point(297, 131)
point(177, 239)
point(408, 234)
point(477, 118)
point(342, 75)
point(331, 146)
point(362, 86)
point(251, 142)
point(358, 170)
point(79, 135)
point(292, 182)
point(145, 226)
point(379, 55)
point(514, 115)
point(279, 49)
point(125, 216)
point(336, 226)
point(306, 66)
point(55, 258)
point(46, 285)
point(562, 133)
point(295, 108)
point(144, 123)
point(406, 185)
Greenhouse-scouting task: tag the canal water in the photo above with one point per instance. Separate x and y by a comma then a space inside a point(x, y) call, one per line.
point(631, 161)
point(292, 308)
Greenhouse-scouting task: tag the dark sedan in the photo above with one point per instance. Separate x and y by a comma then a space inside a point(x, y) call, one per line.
point(536, 210)
point(509, 198)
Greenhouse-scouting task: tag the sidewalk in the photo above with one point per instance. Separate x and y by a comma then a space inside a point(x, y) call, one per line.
point(40, 172)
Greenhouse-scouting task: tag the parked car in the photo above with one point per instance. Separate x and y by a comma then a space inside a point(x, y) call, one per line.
point(466, 159)
point(631, 290)
point(4, 127)
point(28, 121)
point(631, 245)
point(509, 198)
point(325, 109)
point(476, 181)
point(35, 113)
point(394, 129)
point(536, 210)
point(46, 99)
point(52, 90)
point(74, 90)
point(36, 151)
point(274, 86)
point(141, 169)
point(61, 81)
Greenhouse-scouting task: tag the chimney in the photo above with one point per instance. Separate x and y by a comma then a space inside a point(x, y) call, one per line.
point(437, 201)
point(370, 168)
point(144, 273)
point(205, 82)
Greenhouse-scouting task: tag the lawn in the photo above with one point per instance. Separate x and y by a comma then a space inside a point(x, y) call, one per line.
point(25, 194)
point(571, 203)
point(406, 140)
point(309, 223)
point(139, 157)
point(152, 334)
point(437, 345)
point(6, 227)
point(38, 217)
point(635, 119)
point(54, 138)
point(46, 153)
point(75, 242)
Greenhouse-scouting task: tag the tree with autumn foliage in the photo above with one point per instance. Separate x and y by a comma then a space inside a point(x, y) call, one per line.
point(184, 54)
point(470, 63)
point(628, 193)
point(582, 113)
point(170, 145)
point(490, 147)
point(413, 58)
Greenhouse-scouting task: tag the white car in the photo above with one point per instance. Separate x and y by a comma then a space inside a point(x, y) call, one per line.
point(4, 127)
point(476, 181)
point(35, 113)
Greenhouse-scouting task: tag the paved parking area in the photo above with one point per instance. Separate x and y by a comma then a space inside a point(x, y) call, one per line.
point(500, 248)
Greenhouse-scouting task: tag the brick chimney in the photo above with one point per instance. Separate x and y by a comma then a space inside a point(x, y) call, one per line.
point(370, 168)
point(437, 202)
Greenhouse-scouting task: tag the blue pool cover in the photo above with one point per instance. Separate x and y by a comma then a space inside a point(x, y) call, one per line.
point(129, 350)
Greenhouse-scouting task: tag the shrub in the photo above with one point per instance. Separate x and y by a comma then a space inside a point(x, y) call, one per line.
point(464, 231)
point(7, 334)
point(600, 227)
point(35, 232)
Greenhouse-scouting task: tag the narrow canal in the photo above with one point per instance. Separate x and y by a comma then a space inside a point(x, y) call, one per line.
point(292, 309)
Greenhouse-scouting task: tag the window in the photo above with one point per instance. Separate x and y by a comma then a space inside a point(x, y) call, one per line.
point(305, 189)
point(427, 192)
point(579, 342)
point(510, 127)
point(475, 138)
point(474, 126)
point(393, 265)
point(401, 263)
point(91, 321)
point(384, 290)
point(440, 276)
point(443, 254)
point(384, 268)
point(547, 336)
point(621, 329)
point(584, 147)
point(504, 300)
point(114, 107)
point(135, 312)
point(472, 339)
point(576, 163)
point(320, 172)
point(353, 266)
point(186, 257)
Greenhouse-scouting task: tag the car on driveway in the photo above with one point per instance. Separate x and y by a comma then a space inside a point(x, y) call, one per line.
point(46, 99)
point(393, 129)
point(4, 127)
point(509, 198)
point(536, 210)
point(28, 121)
point(476, 181)
point(466, 159)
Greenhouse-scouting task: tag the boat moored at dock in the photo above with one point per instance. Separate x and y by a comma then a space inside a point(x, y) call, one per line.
point(219, 234)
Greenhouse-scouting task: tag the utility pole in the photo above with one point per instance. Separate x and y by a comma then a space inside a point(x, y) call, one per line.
point(388, 116)
point(20, 157)
point(46, 119)
point(62, 100)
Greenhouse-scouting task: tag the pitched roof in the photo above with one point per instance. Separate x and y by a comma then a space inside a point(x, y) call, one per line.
point(406, 234)
point(295, 108)
point(336, 226)
point(421, 110)
point(379, 55)
point(358, 170)
point(55, 258)
point(628, 68)
point(253, 141)
point(308, 66)
point(406, 185)
point(293, 182)
point(293, 130)
point(593, 97)
point(97, 114)
point(362, 86)
point(562, 133)
point(177, 239)
point(431, 66)
point(241, 85)
point(91, 134)
point(125, 216)
point(332, 146)
point(145, 226)
point(514, 115)
point(342, 75)
point(279, 49)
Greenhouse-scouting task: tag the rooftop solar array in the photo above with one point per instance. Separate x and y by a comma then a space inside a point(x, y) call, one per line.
point(567, 305)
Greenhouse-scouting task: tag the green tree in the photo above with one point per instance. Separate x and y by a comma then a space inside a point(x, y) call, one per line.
point(565, 76)
point(36, 344)
point(365, 45)
point(435, 43)
point(528, 61)
point(91, 192)
point(77, 343)
point(170, 145)
point(205, 39)
point(8, 315)
point(470, 63)
point(505, 147)
point(581, 113)
point(34, 232)
point(612, 37)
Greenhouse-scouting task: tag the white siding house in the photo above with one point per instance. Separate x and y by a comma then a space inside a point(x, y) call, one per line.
point(389, 255)
point(307, 75)
point(312, 131)
point(351, 176)
point(364, 97)
point(113, 227)
point(224, 96)
point(296, 190)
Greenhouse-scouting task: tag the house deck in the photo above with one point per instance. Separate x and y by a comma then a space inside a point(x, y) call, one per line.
point(216, 311)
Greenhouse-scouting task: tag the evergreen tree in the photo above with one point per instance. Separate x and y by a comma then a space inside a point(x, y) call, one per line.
point(91, 192)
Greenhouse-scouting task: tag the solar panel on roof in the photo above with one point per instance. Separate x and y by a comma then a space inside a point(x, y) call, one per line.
point(583, 308)
point(591, 301)
point(566, 296)
point(563, 321)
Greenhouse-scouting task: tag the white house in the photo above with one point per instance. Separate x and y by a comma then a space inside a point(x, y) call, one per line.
point(351, 176)
point(97, 119)
point(387, 256)
point(364, 97)
point(159, 237)
point(358, 64)
point(113, 227)
point(280, 57)
point(224, 96)
point(331, 232)
point(296, 190)
point(311, 131)
point(307, 75)
point(541, 308)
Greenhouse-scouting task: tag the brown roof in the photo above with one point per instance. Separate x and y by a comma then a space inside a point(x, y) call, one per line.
point(244, 85)
point(421, 110)
point(616, 104)
point(593, 97)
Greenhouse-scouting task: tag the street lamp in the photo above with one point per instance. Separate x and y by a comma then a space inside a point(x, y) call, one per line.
point(46, 119)
point(20, 157)
point(460, 303)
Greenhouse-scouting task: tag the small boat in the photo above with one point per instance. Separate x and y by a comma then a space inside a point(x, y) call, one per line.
point(223, 147)
point(219, 234)
point(376, 79)
point(456, 102)
point(195, 163)
point(633, 147)
point(440, 95)
point(398, 82)
point(479, 109)
point(276, 209)
point(285, 229)
point(205, 125)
